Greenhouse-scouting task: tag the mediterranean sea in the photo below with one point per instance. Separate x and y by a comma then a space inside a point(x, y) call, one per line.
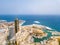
point(52, 21)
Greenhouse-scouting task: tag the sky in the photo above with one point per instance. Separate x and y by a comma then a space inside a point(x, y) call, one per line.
point(49, 7)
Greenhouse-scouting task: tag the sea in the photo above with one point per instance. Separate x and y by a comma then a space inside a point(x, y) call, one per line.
point(52, 21)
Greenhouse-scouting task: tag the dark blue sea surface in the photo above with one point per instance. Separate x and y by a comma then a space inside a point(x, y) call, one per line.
point(52, 21)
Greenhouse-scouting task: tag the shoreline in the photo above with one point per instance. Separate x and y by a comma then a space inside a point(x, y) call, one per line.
point(23, 21)
point(40, 25)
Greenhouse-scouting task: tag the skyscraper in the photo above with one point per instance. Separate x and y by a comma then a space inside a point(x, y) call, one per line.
point(16, 29)
point(16, 25)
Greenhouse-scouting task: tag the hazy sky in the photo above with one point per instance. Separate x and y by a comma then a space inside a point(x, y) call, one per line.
point(30, 7)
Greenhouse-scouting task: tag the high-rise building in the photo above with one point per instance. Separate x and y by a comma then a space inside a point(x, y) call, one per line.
point(16, 29)
point(16, 25)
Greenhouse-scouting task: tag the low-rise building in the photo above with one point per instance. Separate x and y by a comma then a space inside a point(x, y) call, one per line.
point(4, 32)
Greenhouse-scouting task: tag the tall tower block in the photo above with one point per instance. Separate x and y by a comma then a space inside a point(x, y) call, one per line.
point(16, 29)
point(16, 25)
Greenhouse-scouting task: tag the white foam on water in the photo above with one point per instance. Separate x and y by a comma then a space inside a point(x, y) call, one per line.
point(48, 28)
point(36, 22)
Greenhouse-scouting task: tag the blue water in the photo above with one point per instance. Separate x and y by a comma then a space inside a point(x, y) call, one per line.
point(50, 21)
